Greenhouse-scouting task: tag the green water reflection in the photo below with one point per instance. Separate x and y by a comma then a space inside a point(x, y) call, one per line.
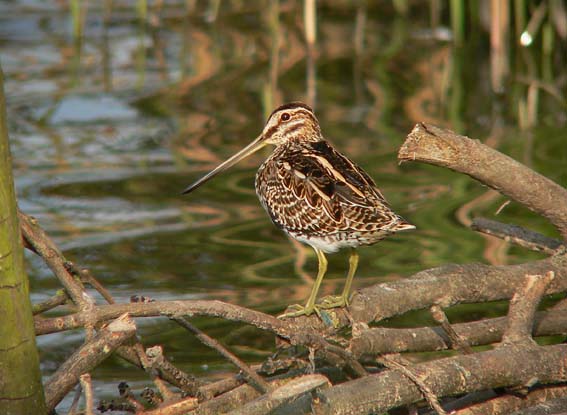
point(105, 136)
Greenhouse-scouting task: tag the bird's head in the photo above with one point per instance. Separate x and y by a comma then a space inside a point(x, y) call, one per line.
point(293, 121)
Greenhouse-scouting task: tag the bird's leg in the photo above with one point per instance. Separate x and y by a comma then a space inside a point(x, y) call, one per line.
point(344, 298)
point(310, 307)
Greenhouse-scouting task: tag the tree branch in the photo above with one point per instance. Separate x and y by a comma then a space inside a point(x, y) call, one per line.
point(452, 284)
point(383, 340)
point(251, 376)
point(213, 308)
point(504, 366)
point(523, 307)
point(86, 358)
point(523, 237)
point(87, 386)
point(42, 244)
point(457, 342)
point(293, 390)
point(433, 145)
point(506, 404)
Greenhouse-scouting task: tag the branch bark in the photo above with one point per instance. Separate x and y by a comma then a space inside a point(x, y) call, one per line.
point(383, 340)
point(523, 307)
point(42, 244)
point(213, 308)
point(506, 404)
point(433, 145)
point(505, 366)
point(86, 358)
point(293, 390)
point(250, 375)
point(452, 284)
point(523, 237)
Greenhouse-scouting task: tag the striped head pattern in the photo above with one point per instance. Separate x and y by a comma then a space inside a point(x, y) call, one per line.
point(293, 121)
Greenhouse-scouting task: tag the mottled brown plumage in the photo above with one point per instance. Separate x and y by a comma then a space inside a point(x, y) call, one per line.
point(315, 194)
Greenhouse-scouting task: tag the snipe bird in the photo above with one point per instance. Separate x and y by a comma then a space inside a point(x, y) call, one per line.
point(316, 195)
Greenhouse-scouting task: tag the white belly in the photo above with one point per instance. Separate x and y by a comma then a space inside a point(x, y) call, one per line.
point(327, 245)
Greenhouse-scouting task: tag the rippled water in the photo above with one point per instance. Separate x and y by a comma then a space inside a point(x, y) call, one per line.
point(106, 133)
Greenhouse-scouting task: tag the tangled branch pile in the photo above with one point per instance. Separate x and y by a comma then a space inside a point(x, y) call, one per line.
point(364, 371)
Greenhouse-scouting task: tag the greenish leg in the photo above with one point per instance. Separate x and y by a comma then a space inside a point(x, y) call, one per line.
point(352, 266)
point(310, 306)
point(334, 301)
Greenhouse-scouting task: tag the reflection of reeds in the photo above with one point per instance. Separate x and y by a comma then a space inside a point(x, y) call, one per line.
point(142, 8)
point(271, 97)
point(78, 13)
point(310, 22)
point(458, 21)
point(499, 27)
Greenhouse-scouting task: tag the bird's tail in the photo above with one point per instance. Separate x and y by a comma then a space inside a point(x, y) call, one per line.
point(402, 225)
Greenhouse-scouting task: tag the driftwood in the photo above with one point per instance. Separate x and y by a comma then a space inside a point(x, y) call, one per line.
point(87, 357)
point(433, 145)
point(337, 371)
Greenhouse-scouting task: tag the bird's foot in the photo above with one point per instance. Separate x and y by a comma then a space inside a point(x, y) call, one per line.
point(296, 310)
point(333, 301)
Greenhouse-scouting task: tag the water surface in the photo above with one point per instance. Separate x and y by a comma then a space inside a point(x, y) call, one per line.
point(108, 130)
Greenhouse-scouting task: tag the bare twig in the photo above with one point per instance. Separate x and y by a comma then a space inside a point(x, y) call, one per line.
point(88, 356)
point(151, 397)
point(87, 277)
point(158, 362)
point(44, 246)
point(391, 362)
point(433, 145)
point(58, 299)
point(75, 403)
point(523, 306)
point(87, 386)
point(128, 396)
point(518, 235)
point(457, 342)
point(228, 311)
point(160, 384)
point(251, 376)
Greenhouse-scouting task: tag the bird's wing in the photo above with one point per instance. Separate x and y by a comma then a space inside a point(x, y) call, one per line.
point(324, 178)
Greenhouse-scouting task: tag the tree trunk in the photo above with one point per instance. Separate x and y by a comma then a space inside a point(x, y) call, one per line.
point(21, 391)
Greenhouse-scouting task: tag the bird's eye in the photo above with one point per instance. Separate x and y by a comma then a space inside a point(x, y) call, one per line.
point(285, 116)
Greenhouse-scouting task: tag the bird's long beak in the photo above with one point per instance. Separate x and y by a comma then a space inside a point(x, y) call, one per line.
point(254, 146)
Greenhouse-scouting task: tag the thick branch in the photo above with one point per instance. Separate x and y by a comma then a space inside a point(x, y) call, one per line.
point(382, 340)
point(551, 407)
point(86, 358)
point(523, 307)
point(452, 284)
point(505, 366)
point(505, 404)
point(433, 145)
